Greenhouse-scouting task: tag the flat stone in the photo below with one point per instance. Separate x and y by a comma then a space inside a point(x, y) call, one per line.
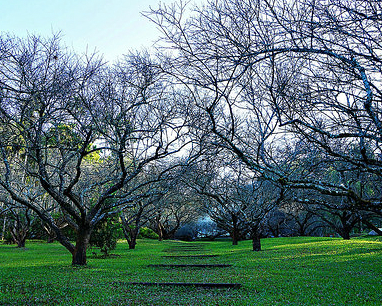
point(185, 250)
point(191, 265)
point(202, 285)
point(188, 256)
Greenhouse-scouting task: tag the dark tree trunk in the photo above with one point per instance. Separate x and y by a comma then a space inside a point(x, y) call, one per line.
point(19, 236)
point(301, 231)
point(302, 226)
point(4, 227)
point(21, 242)
point(235, 238)
point(275, 229)
point(160, 231)
point(132, 243)
point(256, 243)
point(131, 237)
point(345, 233)
point(347, 225)
point(132, 227)
point(82, 243)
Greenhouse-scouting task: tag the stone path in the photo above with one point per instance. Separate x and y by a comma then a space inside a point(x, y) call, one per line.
point(179, 248)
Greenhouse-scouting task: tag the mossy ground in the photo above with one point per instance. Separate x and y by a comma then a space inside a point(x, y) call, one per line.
point(289, 271)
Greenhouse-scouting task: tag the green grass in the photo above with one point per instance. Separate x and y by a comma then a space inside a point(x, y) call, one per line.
point(289, 271)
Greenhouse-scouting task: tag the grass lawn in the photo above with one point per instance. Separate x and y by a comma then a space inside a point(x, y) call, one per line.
point(289, 271)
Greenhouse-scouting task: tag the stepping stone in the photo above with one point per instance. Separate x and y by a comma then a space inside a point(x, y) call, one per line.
point(188, 246)
point(191, 265)
point(189, 256)
point(187, 249)
point(183, 250)
point(202, 285)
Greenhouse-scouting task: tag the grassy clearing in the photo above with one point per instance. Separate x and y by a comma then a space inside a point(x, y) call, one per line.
point(290, 271)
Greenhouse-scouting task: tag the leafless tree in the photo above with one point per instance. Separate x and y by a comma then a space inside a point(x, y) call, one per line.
point(302, 221)
point(85, 129)
point(175, 209)
point(144, 208)
point(271, 74)
point(236, 199)
point(17, 222)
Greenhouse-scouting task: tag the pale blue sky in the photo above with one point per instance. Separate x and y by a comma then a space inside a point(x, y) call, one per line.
point(113, 27)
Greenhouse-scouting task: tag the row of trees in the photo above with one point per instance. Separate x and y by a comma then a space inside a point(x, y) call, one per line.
point(200, 217)
point(248, 105)
point(202, 200)
point(291, 89)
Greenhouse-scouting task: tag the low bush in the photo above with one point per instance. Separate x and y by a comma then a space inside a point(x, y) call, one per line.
point(105, 236)
point(148, 233)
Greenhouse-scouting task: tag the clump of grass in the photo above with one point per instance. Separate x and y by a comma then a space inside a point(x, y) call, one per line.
point(289, 271)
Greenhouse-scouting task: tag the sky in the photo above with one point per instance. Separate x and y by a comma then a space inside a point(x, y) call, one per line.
point(112, 27)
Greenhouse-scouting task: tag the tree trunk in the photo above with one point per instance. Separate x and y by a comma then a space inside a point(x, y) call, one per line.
point(21, 242)
point(301, 231)
point(132, 243)
point(345, 233)
point(347, 224)
point(256, 243)
point(131, 232)
point(160, 231)
point(235, 237)
point(19, 236)
point(82, 242)
point(131, 237)
point(4, 228)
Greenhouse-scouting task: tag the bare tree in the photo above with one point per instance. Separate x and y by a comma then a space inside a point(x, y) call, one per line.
point(142, 210)
point(302, 221)
point(337, 213)
point(86, 130)
point(17, 221)
point(270, 74)
point(236, 199)
point(175, 209)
